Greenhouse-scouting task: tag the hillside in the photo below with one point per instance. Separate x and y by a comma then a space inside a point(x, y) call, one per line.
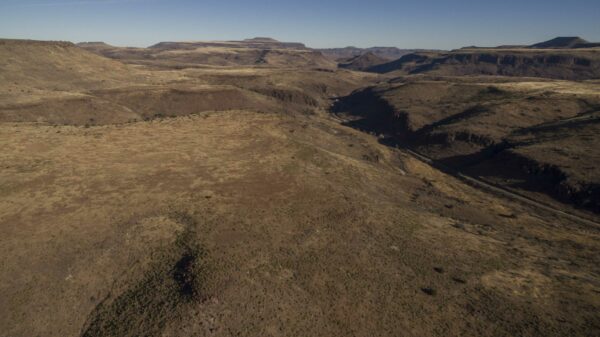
point(472, 125)
point(568, 58)
point(390, 53)
point(48, 65)
point(568, 64)
point(409, 63)
point(60, 83)
point(362, 62)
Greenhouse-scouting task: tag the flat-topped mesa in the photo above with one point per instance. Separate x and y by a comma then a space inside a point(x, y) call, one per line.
point(16, 42)
point(96, 44)
point(256, 43)
point(270, 43)
point(261, 39)
point(259, 52)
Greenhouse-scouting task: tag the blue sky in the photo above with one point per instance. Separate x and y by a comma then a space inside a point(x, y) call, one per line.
point(443, 24)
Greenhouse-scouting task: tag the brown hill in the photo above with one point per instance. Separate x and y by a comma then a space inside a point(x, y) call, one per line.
point(362, 62)
point(560, 42)
point(224, 201)
point(56, 66)
point(60, 83)
point(408, 63)
point(390, 53)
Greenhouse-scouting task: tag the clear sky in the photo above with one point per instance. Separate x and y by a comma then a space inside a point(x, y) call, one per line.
point(443, 24)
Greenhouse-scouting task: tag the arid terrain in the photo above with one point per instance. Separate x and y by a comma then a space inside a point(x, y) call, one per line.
point(263, 188)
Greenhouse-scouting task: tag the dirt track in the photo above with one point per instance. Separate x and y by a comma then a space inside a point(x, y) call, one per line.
point(503, 191)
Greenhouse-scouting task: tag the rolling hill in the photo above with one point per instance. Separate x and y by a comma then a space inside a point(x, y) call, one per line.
point(61, 83)
point(241, 189)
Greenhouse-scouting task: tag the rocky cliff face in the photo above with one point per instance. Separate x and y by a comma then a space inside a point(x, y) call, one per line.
point(568, 58)
point(538, 137)
point(389, 53)
point(569, 65)
point(573, 66)
point(362, 62)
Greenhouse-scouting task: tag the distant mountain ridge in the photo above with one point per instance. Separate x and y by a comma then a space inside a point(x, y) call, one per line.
point(569, 58)
point(390, 53)
point(257, 43)
point(561, 42)
point(259, 51)
point(362, 62)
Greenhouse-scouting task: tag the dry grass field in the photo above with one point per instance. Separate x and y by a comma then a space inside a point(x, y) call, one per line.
point(209, 201)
